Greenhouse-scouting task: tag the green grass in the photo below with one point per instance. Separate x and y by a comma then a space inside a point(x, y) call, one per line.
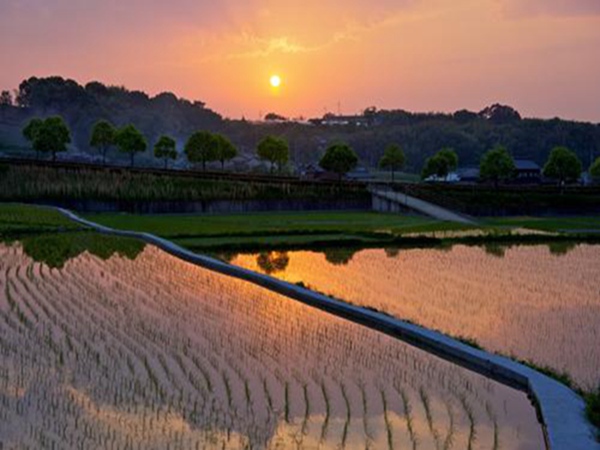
point(592, 400)
point(275, 230)
point(266, 224)
point(294, 230)
point(572, 224)
point(26, 219)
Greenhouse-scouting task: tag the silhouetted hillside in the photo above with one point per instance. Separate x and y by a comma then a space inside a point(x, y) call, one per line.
point(420, 134)
point(82, 106)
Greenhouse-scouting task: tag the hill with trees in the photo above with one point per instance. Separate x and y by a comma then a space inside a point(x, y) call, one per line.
point(421, 135)
point(83, 106)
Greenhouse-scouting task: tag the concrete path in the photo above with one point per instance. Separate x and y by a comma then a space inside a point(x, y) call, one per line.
point(562, 410)
point(426, 208)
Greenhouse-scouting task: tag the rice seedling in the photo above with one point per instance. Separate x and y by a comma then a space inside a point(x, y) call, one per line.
point(152, 352)
point(388, 426)
point(532, 304)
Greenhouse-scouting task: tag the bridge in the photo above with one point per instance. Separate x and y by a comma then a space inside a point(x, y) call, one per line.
point(387, 200)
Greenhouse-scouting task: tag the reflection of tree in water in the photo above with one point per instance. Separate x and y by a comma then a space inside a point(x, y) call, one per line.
point(494, 249)
point(561, 248)
point(339, 256)
point(56, 249)
point(392, 252)
point(272, 262)
point(557, 248)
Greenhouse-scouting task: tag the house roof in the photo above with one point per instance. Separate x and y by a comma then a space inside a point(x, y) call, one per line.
point(526, 164)
point(468, 172)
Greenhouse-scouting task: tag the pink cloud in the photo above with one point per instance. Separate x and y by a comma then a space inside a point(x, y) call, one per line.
point(527, 8)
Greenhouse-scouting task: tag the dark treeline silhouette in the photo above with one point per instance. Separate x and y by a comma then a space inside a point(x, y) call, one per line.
point(82, 106)
point(420, 135)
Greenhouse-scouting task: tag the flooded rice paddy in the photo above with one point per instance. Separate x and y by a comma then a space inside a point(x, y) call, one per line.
point(147, 351)
point(539, 303)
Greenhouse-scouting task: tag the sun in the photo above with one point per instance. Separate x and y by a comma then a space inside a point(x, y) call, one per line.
point(275, 81)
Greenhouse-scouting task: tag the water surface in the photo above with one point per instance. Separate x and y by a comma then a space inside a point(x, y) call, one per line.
point(144, 350)
point(540, 303)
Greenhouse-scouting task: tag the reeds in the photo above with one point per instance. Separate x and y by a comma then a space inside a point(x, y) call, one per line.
point(28, 184)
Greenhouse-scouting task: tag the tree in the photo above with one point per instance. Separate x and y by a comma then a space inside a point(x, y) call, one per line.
point(103, 137)
point(225, 149)
point(202, 146)
point(274, 117)
point(6, 98)
point(339, 158)
point(275, 150)
point(51, 136)
point(441, 164)
point(393, 158)
point(165, 149)
point(595, 169)
point(500, 114)
point(339, 256)
point(563, 165)
point(272, 262)
point(129, 140)
point(497, 165)
point(30, 131)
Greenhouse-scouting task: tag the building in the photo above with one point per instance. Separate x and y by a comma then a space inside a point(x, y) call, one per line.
point(527, 171)
point(333, 120)
point(468, 174)
point(360, 174)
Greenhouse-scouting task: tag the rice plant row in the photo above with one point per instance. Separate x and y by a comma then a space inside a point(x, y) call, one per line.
point(158, 353)
point(528, 303)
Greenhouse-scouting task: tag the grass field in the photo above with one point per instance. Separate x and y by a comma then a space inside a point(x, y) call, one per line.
point(577, 224)
point(176, 225)
point(297, 229)
point(272, 230)
point(17, 219)
point(280, 230)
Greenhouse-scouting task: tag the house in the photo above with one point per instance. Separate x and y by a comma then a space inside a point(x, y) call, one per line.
point(360, 173)
point(332, 120)
point(527, 171)
point(468, 174)
point(316, 173)
point(452, 177)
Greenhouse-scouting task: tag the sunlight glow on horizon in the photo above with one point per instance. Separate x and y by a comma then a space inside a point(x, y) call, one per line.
point(392, 54)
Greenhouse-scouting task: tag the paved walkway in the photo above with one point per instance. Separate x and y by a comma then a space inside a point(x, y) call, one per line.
point(562, 410)
point(426, 208)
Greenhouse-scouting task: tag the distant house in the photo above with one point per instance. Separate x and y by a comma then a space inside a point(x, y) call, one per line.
point(468, 174)
point(452, 177)
point(332, 120)
point(528, 171)
point(360, 173)
point(314, 172)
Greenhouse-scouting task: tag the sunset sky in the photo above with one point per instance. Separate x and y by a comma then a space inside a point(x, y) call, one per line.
point(540, 56)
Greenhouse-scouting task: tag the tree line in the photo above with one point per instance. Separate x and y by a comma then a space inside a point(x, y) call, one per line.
point(52, 135)
point(469, 133)
point(498, 165)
